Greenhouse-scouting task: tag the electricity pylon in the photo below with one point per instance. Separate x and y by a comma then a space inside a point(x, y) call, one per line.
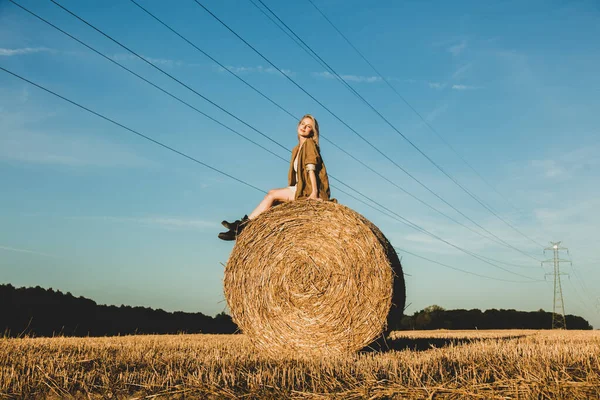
point(558, 308)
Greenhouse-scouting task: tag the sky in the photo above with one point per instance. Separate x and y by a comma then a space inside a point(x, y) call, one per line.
point(480, 126)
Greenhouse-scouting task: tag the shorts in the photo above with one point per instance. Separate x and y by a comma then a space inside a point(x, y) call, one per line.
point(293, 189)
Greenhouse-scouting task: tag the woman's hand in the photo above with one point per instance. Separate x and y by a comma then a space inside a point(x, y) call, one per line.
point(314, 196)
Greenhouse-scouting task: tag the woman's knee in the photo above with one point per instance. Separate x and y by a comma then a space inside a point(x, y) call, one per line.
point(271, 194)
point(278, 194)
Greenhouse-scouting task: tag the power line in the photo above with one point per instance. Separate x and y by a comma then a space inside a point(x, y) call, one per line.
point(169, 75)
point(346, 84)
point(362, 137)
point(459, 269)
point(215, 61)
point(472, 195)
point(134, 131)
point(229, 113)
point(151, 83)
point(590, 297)
point(581, 281)
point(324, 137)
point(585, 306)
point(407, 221)
point(589, 260)
point(413, 109)
point(288, 34)
point(194, 159)
point(419, 228)
point(512, 264)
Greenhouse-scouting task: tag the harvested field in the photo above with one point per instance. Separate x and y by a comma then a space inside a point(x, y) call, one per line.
point(417, 364)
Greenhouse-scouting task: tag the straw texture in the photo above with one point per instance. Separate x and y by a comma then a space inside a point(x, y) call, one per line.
point(312, 277)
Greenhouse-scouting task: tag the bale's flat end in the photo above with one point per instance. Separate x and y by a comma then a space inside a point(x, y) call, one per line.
point(312, 277)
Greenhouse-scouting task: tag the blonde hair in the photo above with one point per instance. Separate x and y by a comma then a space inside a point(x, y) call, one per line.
point(315, 129)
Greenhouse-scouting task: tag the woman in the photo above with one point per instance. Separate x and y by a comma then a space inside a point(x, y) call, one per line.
point(307, 177)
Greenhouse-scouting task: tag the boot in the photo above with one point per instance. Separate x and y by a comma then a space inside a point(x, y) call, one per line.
point(240, 227)
point(235, 228)
point(235, 224)
point(229, 235)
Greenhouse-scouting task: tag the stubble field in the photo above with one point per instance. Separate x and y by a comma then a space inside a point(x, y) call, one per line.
point(414, 365)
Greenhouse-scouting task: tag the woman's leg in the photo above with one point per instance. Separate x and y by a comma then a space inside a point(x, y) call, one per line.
point(283, 194)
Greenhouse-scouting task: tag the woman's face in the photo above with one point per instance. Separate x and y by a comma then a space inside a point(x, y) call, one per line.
point(305, 128)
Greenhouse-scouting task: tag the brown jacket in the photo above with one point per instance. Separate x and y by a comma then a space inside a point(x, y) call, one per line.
point(309, 154)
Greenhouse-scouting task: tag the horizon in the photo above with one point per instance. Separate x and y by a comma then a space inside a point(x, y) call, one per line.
point(55, 290)
point(506, 95)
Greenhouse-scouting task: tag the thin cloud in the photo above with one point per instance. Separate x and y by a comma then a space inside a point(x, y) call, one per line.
point(256, 70)
point(394, 79)
point(424, 244)
point(24, 51)
point(566, 165)
point(164, 61)
point(123, 57)
point(165, 222)
point(458, 48)
point(436, 85)
point(550, 168)
point(324, 74)
point(177, 223)
point(362, 79)
point(570, 214)
point(23, 96)
point(461, 71)
point(582, 158)
point(156, 61)
point(436, 112)
point(465, 87)
point(66, 150)
point(349, 78)
point(16, 250)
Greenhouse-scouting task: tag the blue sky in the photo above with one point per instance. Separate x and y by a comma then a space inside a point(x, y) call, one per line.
point(511, 86)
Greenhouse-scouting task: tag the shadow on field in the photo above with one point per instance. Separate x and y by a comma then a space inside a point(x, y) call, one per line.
point(384, 344)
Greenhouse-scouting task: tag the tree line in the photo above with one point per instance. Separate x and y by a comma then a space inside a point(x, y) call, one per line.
point(47, 312)
point(436, 317)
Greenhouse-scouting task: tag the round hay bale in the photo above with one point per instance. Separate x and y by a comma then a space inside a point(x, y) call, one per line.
point(312, 277)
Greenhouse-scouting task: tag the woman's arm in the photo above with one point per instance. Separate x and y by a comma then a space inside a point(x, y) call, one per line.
point(311, 160)
point(313, 184)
